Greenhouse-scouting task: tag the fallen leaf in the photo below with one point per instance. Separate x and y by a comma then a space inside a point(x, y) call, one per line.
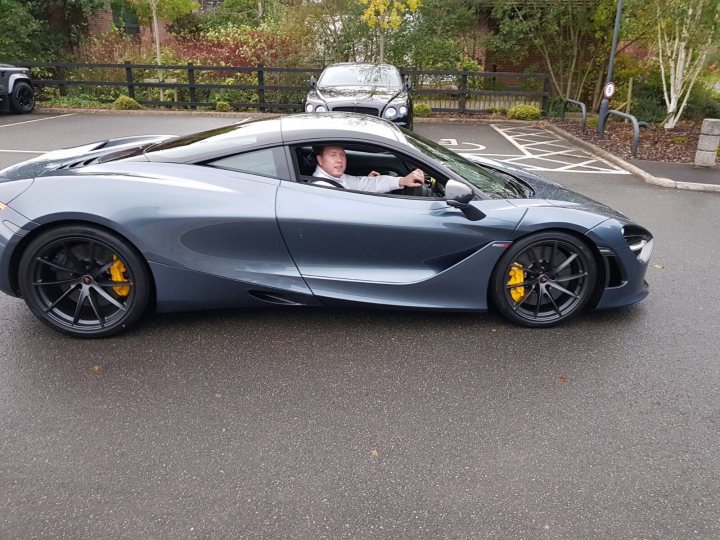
point(374, 453)
point(561, 379)
point(658, 266)
point(96, 368)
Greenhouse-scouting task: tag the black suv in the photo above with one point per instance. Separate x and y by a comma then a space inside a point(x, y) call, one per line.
point(16, 90)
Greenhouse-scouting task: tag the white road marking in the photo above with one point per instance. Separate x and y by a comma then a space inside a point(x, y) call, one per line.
point(24, 151)
point(37, 120)
point(534, 143)
point(453, 142)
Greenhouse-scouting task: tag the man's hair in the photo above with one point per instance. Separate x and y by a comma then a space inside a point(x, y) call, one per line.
point(319, 150)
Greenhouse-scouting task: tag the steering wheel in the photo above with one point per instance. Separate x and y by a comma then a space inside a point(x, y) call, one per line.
point(433, 186)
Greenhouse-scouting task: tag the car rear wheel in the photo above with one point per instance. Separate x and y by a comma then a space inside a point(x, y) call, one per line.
point(22, 98)
point(84, 281)
point(544, 279)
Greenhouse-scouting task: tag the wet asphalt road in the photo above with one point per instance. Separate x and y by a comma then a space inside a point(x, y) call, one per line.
point(306, 423)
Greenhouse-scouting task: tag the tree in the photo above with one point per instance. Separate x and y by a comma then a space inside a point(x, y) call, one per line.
point(386, 15)
point(328, 31)
point(566, 34)
point(33, 29)
point(686, 33)
point(18, 30)
point(152, 10)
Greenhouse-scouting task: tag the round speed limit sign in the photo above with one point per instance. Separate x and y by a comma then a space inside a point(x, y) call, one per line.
point(609, 90)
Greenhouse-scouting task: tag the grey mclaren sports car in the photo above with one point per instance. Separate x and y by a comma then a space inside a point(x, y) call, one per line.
point(95, 236)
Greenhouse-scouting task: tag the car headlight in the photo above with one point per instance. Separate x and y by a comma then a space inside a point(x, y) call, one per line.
point(403, 110)
point(309, 107)
point(320, 108)
point(639, 240)
point(390, 113)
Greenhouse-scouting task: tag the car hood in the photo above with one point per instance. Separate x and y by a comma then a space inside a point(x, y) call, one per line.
point(78, 156)
point(547, 192)
point(355, 93)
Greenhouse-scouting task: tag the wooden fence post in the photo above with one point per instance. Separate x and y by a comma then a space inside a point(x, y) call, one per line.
point(191, 84)
point(463, 91)
point(261, 89)
point(129, 79)
point(61, 78)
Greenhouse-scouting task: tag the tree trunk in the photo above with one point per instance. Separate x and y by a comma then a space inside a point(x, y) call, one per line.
point(382, 45)
point(156, 31)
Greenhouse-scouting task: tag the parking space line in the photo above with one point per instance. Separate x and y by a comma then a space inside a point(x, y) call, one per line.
point(24, 151)
point(36, 120)
point(534, 143)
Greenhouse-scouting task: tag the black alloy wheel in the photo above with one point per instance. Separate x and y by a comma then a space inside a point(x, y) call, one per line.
point(544, 279)
point(22, 99)
point(84, 281)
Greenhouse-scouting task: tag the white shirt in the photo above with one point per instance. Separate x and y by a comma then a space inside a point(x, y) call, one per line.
point(372, 184)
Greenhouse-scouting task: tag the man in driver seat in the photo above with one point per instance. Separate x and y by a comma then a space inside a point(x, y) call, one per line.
point(331, 165)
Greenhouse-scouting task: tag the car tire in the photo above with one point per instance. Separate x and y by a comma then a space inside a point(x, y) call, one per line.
point(544, 279)
point(84, 281)
point(22, 98)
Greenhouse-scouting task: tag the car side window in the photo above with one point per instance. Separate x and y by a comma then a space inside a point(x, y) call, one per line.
point(260, 162)
point(361, 160)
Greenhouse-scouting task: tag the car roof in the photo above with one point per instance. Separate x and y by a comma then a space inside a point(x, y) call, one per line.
point(359, 64)
point(332, 125)
point(289, 129)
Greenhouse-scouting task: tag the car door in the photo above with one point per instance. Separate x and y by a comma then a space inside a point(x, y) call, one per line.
point(228, 229)
point(386, 249)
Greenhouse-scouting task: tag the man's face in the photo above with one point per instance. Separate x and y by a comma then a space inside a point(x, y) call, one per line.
point(333, 161)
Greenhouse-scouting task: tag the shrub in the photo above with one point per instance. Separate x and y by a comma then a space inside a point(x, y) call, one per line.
point(524, 112)
point(222, 106)
point(126, 103)
point(473, 83)
point(421, 110)
point(704, 102)
point(648, 109)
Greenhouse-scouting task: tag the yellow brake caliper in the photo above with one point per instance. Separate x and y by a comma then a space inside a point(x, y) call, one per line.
point(517, 276)
point(117, 273)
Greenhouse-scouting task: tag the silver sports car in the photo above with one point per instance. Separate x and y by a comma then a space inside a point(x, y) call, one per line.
point(94, 237)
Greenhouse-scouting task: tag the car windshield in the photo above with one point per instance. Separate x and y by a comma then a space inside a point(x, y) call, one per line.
point(361, 75)
point(489, 183)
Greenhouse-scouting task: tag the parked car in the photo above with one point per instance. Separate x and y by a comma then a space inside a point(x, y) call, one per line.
point(374, 89)
point(16, 90)
point(92, 237)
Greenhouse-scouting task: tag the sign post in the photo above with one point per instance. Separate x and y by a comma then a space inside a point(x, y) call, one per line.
point(609, 85)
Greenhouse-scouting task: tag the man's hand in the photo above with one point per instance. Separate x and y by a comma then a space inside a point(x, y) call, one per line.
point(414, 179)
point(374, 173)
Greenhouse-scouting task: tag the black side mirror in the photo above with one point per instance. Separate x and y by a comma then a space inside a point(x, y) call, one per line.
point(407, 85)
point(458, 195)
point(313, 82)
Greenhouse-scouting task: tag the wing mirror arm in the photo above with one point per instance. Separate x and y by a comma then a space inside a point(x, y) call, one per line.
point(470, 211)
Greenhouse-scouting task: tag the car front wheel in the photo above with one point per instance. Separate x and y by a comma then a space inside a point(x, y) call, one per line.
point(84, 281)
point(544, 279)
point(22, 98)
